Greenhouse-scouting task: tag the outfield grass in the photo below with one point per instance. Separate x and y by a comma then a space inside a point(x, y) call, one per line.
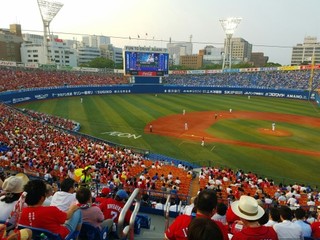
point(130, 114)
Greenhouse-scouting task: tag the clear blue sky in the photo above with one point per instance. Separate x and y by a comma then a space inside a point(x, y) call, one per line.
point(265, 22)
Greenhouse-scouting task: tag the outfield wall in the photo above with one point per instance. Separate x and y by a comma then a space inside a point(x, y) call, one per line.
point(14, 97)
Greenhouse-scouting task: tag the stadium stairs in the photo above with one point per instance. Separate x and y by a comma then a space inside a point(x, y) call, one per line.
point(156, 230)
point(195, 186)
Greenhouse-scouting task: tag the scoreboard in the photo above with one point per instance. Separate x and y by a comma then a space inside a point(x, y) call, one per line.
point(148, 62)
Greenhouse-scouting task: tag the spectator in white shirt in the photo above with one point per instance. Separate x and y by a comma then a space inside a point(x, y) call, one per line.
point(49, 193)
point(311, 204)
point(282, 198)
point(160, 204)
point(292, 201)
point(286, 229)
point(177, 181)
point(220, 215)
point(188, 209)
point(274, 217)
point(300, 215)
point(64, 198)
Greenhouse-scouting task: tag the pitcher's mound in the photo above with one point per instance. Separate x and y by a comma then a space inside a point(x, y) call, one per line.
point(279, 133)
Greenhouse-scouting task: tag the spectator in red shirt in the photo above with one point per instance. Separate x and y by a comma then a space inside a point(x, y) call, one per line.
point(105, 194)
point(205, 207)
point(48, 217)
point(250, 212)
point(112, 207)
point(315, 226)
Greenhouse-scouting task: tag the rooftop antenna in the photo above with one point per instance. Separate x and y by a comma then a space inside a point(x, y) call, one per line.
point(48, 10)
point(191, 44)
point(229, 25)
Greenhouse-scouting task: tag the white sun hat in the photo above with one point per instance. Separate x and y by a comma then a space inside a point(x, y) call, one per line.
point(247, 208)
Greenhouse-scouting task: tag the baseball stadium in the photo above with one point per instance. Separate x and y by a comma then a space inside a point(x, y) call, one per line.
point(230, 129)
point(148, 152)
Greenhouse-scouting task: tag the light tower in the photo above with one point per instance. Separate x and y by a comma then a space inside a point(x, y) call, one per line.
point(48, 10)
point(228, 25)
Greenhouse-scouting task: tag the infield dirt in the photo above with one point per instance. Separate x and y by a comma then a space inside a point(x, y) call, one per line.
point(173, 126)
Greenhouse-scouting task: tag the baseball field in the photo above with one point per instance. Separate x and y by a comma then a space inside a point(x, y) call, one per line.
point(241, 139)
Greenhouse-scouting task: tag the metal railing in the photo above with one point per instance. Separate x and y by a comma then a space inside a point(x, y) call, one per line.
point(128, 230)
point(166, 210)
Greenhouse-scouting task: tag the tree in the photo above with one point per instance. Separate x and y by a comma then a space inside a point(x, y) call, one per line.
point(305, 63)
point(242, 65)
point(212, 66)
point(118, 65)
point(101, 62)
point(179, 67)
point(272, 64)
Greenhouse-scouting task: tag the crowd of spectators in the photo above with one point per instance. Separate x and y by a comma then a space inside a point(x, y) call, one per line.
point(243, 218)
point(263, 80)
point(230, 185)
point(23, 78)
point(53, 120)
point(38, 148)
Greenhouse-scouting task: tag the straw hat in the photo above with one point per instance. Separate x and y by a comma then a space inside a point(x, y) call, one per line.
point(13, 184)
point(23, 177)
point(247, 208)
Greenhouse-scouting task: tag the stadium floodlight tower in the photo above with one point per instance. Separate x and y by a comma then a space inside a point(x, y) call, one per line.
point(48, 10)
point(229, 25)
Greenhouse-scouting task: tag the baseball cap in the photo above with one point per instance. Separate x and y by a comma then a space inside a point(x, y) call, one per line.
point(105, 191)
point(122, 194)
point(87, 167)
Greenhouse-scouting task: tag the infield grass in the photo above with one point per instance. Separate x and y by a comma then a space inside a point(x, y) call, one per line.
point(131, 113)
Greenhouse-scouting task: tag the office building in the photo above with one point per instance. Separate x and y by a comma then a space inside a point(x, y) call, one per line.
point(212, 55)
point(194, 61)
point(176, 50)
point(10, 42)
point(95, 41)
point(59, 53)
point(240, 50)
point(303, 53)
point(258, 59)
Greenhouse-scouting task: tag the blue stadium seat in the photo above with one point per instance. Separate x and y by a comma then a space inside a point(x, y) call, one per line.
point(4, 148)
point(90, 232)
point(137, 226)
point(308, 238)
point(145, 221)
point(9, 225)
point(39, 233)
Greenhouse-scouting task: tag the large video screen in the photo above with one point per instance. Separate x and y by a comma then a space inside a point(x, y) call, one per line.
point(146, 63)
